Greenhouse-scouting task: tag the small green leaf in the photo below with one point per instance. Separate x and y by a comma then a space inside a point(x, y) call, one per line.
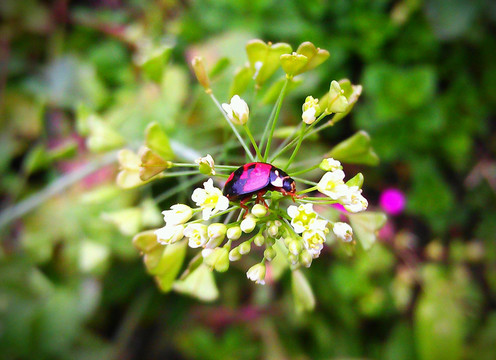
point(303, 297)
point(280, 263)
point(264, 58)
point(356, 180)
point(365, 225)
point(157, 140)
point(153, 62)
point(37, 158)
point(128, 221)
point(293, 63)
point(199, 284)
point(102, 137)
point(241, 80)
point(146, 241)
point(355, 150)
point(220, 67)
point(169, 265)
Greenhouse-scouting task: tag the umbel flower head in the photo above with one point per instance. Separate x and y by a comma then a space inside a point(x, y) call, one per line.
point(255, 209)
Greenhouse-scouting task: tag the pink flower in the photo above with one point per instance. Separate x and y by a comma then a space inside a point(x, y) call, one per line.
point(392, 201)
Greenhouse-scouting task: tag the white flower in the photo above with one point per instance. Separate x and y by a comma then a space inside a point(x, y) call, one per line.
point(206, 165)
point(237, 111)
point(216, 233)
point(248, 224)
point(313, 241)
point(332, 185)
point(178, 214)
point(210, 199)
point(301, 217)
point(354, 201)
point(330, 164)
point(257, 273)
point(310, 109)
point(169, 234)
point(197, 235)
point(343, 231)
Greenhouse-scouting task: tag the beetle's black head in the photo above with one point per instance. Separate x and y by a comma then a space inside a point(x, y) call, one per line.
point(289, 185)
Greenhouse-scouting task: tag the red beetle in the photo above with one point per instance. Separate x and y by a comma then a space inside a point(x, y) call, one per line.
point(257, 178)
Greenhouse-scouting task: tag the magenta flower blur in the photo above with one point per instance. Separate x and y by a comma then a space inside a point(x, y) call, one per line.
point(392, 201)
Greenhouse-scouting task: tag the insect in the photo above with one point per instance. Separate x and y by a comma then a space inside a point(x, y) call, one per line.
point(257, 178)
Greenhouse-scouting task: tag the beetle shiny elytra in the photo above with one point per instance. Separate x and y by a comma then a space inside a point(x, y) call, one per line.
point(257, 178)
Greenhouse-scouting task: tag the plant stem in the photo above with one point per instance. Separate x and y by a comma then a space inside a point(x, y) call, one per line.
point(243, 144)
point(305, 181)
point(307, 190)
point(295, 151)
point(273, 121)
point(253, 142)
point(306, 135)
point(177, 189)
point(305, 170)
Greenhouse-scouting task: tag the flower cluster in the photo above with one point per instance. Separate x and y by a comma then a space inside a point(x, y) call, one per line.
point(267, 209)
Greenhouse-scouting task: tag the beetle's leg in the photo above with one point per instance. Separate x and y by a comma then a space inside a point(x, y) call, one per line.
point(242, 204)
point(260, 199)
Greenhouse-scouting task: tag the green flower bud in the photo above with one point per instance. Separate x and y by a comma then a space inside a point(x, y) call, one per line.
point(306, 258)
point(234, 233)
point(259, 210)
point(259, 240)
point(337, 103)
point(294, 247)
point(248, 224)
point(244, 248)
point(206, 165)
point(270, 253)
point(329, 164)
point(234, 254)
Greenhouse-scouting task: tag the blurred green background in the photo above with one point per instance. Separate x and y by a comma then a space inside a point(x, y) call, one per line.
point(73, 287)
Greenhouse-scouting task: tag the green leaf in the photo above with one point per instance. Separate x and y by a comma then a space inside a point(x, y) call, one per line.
point(153, 62)
point(264, 58)
point(157, 140)
point(303, 297)
point(280, 263)
point(365, 225)
point(146, 241)
point(169, 265)
point(220, 67)
point(102, 137)
point(293, 63)
point(128, 221)
point(315, 56)
point(439, 318)
point(356, 180)
point(37, 158)
point(199, 284)
point(355, 150)
point(241, 80)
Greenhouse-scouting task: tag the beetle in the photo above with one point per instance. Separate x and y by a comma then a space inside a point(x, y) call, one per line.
point(256, 178)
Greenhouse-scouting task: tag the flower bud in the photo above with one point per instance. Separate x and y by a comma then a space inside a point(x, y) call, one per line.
point(200, 72)
point(311, 110)
point(244, 248)
point(216, 233)
point(270, 241)
point(306, 258)
point(178, 214)
point(257, 273)
point(293, 259)
point(206, 165)
point(248, 224)
point(217, 258)
point(234, 254)
point(259, 240)
point(294, 247)
point(273, 230)
point(270, 253)
point(259, 210)
point(169, 234)
point(237, 111)
point(330, 164)
point(234, 233)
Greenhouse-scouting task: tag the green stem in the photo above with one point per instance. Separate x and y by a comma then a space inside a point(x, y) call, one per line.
point(295, 151)
point(305, 181)
point(253, 142)
point(295, 141)
point(305, 170)
point(241, 141)
point(215, 215)
point(175, 190)
point(179, 173)
point(273, 121)
point(307, 190)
